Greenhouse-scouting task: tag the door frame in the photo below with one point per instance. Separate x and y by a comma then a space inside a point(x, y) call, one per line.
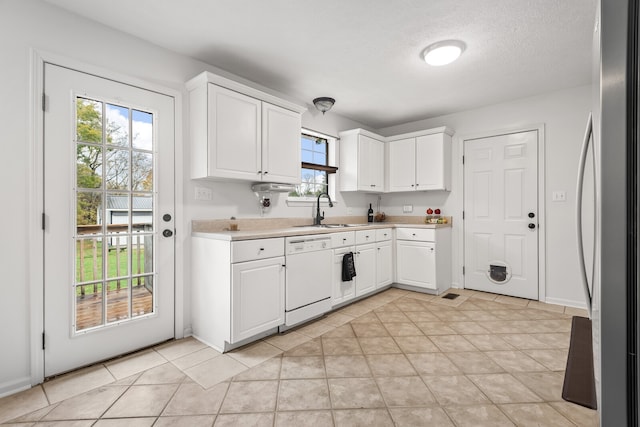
point(542, 213)
point(35, 205)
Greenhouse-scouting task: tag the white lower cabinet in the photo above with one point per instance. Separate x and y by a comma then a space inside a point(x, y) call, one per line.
point(423, 258)
point(238, 289)
point(365, 269)
point(342, 291)
point(384, 264)
point(416, 264)
point(257, 297)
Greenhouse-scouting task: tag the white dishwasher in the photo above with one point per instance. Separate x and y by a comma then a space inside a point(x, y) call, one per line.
point(308, 278)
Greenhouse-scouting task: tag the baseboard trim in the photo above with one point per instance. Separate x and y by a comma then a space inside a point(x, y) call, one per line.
point(566, 302)
point(15, 386)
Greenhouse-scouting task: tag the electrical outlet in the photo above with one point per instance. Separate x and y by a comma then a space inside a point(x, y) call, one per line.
point(203, 193)
point(407, 208)
point(559, 196)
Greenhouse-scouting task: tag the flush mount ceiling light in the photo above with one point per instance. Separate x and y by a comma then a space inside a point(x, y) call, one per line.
point(324, 103)
point(443, 52)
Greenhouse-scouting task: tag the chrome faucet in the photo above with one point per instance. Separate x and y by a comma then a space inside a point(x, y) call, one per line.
point(318, 219)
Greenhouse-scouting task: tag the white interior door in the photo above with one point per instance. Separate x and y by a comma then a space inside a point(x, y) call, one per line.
point(501, 214)
point(109, 208)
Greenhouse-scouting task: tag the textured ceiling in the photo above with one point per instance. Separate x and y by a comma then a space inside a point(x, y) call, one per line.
point(366, 53)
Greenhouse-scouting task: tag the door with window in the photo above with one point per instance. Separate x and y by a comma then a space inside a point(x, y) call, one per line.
point(501, 214)
point(109, 218)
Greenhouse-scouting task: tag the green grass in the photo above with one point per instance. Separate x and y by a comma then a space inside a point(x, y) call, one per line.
point(87, 264)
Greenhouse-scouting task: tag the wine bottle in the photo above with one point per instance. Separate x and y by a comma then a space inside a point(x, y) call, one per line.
point(370, 214)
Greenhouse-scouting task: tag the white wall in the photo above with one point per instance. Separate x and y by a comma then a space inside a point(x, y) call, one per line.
point(32, 24)
point(564, 115)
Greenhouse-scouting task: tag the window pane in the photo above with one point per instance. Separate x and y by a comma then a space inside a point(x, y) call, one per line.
point(319, 158)
point(142, 213)
point(89, 212)
point(88, 120)
point(117, 300)
point(320, 147)
point(142, 130)
point(307, 156)
point(141, 171)
point(117, 257)
point(142, 293)
point(307, 143)
point(88, 166)
point(88, 259)
point(142, 254)
point(117, 125)
point(117, 170)
point(88, 306)
point(117, 213)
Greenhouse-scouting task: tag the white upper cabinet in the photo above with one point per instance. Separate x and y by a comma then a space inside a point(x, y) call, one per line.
point(241, 133)
point(280, 144)
point(361, 161)
point(420, 161)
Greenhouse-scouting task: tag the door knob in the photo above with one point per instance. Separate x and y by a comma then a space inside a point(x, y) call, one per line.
point(166, 217)
point(531, 225)
point(167, 233)
point(532, 215)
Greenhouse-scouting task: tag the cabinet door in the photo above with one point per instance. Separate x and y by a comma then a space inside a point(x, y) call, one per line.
point(370, 164)
point(415, 264)
point(402, 165)
point(365, 260)
point(257, 297)
point(234, 134)
point(384, 264)
point(342, 291)
point(280, 144)
point(433, 162)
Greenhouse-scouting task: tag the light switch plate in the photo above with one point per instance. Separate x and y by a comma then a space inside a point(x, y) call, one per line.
point(559, 196)
point(407, 208)
point(203, 193)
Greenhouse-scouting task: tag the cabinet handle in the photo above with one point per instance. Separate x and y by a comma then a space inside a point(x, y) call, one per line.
point(344, 240)
point(262, 249)
point(259, 172)
point(265, 172)
point(413, 234)
point(412, 185)
point(431, 249)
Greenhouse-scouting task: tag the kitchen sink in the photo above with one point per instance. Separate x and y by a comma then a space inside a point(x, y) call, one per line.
point(329, 225)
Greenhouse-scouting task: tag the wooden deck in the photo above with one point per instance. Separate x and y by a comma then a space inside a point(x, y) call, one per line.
point(89, 306)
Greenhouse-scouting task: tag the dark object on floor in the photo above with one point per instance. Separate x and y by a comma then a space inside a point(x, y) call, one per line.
point(450, 296)
point(348, 267)
point(579, 382)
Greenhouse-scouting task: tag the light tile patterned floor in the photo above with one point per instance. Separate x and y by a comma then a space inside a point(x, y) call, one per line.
point(396, 358)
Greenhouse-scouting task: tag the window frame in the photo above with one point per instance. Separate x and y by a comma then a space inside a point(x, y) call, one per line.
point(330, 171)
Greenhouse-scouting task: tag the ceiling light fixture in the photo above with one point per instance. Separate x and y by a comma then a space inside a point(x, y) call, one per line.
point(443, 52)
point(324, 103)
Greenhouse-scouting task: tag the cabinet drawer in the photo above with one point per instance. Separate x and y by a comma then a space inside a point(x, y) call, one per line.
point(365, 236)
point(248, 250)
point(345, 238)
point(383, 234)
point(419, 234)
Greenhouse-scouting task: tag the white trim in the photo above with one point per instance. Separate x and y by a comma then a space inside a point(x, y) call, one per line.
point(567, 302)
point(35, 198)
point(15, 386)
point(542, 213)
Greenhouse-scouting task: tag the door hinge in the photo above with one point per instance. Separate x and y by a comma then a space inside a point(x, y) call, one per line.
point(43, 221)
point(43, 340)
point(462, 214)
point(463, 270)
point(45, 103)
point(463, 160)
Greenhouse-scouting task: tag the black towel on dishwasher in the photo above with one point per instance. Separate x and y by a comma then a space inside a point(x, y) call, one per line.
point(348, 267)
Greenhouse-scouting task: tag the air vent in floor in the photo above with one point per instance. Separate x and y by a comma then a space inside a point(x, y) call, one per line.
point(450, 296)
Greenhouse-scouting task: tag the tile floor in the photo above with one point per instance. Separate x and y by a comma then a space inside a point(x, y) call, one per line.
point(396, 358)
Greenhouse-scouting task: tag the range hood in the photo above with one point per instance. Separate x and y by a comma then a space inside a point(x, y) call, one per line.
point(273, 187)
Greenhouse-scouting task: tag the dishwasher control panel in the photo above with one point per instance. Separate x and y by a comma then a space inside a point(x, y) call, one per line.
point(294, 245)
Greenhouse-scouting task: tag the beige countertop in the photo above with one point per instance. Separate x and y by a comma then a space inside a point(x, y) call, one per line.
point(201, 230)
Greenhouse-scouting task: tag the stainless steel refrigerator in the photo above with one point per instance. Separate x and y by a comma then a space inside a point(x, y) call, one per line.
point(616, 279)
